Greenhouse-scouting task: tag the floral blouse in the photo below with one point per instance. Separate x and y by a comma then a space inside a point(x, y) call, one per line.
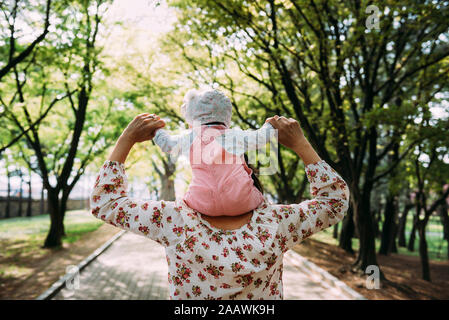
point(209, 263)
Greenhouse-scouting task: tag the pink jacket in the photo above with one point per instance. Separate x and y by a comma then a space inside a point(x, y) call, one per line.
point(221, 183)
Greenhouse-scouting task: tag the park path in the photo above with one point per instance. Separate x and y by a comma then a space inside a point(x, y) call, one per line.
point(135, 268)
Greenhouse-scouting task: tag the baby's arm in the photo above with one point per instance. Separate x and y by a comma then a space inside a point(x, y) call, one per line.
point(239, 141)
point(257, 139)
point(170, 144)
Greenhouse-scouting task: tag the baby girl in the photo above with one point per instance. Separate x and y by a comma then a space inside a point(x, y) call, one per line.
point(221, 180)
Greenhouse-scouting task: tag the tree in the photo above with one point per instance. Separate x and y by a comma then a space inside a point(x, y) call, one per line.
point(347, 231)
point(431, 176)
point(8, 190)
point(390, 227)
point(30, 195)
point(11, 16)
point(166, 176)
point(14, 16)
point(408, 205)
point(443, 212)
point(70, 143)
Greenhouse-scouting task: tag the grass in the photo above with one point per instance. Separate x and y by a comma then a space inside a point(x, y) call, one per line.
point(22, 238)
point(74, 221)
point(437, 247)
point(434, 224)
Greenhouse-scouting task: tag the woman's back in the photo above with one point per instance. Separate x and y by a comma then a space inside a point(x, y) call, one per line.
point(208, 263)
point(211, 263)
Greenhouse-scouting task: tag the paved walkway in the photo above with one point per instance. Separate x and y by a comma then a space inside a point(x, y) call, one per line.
point(125, 272)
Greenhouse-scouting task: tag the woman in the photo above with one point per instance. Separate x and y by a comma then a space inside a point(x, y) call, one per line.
point(221, 257)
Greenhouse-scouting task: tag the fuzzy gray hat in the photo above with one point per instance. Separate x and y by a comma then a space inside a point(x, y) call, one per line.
point(201, 107)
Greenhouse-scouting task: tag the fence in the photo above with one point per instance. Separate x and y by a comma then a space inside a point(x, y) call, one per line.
point(37, 207)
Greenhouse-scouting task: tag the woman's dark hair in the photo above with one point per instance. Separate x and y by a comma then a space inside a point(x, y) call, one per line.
point(256, 180)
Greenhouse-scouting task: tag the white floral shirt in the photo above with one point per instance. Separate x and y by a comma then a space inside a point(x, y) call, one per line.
point(208, 263)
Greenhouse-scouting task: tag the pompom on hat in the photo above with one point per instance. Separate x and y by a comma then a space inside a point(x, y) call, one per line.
point(201, 107)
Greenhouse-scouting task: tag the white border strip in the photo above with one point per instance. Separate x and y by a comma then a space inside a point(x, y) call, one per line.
point(59, 284)
point(323, 275)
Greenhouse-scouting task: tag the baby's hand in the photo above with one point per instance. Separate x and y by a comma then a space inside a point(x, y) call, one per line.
point(156, 117)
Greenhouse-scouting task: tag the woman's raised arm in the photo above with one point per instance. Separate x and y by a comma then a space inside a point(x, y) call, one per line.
point(109, 199)
point(329, 191)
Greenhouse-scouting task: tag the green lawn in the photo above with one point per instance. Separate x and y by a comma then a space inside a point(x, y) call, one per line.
point(437, 247)
point(21, 240)
point(24, 235)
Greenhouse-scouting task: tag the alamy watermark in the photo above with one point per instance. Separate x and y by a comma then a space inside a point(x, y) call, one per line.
point(73, 281)
point(372, 21)
point(373, 280)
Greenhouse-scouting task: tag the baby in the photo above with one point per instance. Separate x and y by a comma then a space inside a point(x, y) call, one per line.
point(221, 180)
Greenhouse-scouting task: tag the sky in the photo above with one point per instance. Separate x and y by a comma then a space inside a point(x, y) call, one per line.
point(146, 20)
point(143, 13)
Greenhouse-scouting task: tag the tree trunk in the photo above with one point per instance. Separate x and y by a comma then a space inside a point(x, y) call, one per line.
point(378, 222)
point(63, 210)
point(168, 188)
point(347, 231)
point(375, 224)
point(167, 178)
point(388, 227)
point(8, 195)
point(402, 242)
point(443, 211)
point(411, 240)
point(57, 208)
point(42, 203)
point(30, 196)
point(20, 194)
point(54, 235)
point(335, 232)
point(425, 268)
point(393, 244)
point(367, 249)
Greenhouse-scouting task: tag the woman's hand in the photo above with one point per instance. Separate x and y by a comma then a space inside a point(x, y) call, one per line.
point(291, 135)
point(142, 128)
